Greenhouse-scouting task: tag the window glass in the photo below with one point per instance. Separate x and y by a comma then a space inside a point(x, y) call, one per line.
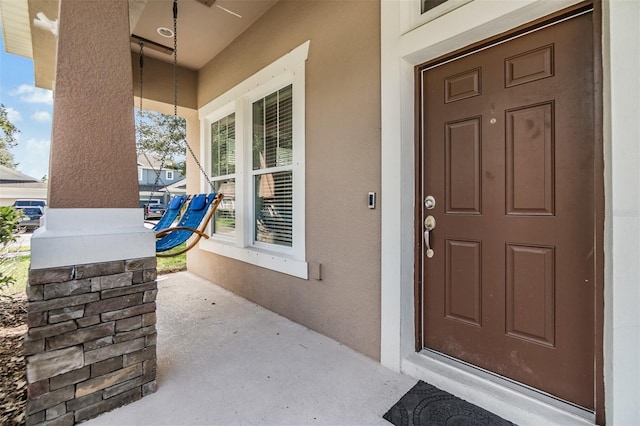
point(223, 167)
point(273, 148)
point(223, 146)
point(224, 222)
point(273, 130)
point(274, 208)
point(427, 5)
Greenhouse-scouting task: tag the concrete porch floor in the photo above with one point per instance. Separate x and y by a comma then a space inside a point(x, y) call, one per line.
point(223, 360)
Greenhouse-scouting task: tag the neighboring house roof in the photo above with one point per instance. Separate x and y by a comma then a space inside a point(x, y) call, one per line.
point(149, 161)
point(11, 175)
point(178, 187)
point(5, 184)
point(16, 185)
point(150, 187)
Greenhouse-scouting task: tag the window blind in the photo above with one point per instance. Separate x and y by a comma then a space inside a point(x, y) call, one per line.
point(223, 167)
point(223, 146)
point(273, 130)
point(274, 208)
point(273, 152)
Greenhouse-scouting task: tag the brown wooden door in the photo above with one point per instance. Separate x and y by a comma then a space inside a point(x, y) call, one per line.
point(508, 145)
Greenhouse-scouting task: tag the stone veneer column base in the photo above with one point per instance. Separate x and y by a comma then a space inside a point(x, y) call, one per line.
point(91, 344)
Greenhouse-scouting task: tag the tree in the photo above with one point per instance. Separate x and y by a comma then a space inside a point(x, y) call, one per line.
point(7, 139)
point(181, 167)
point(161, 135)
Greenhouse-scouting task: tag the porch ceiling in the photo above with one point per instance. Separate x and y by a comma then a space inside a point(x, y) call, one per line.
point(203, 31)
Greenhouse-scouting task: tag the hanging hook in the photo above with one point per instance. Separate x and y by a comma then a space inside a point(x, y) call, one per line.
point(41, 21)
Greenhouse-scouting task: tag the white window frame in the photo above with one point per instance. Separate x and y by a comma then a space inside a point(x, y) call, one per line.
point(140, 174)
point(288, 70)
point(168, 174)
point(221, 113)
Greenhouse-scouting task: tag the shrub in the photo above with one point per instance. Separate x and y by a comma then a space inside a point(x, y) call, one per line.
point(9, 220)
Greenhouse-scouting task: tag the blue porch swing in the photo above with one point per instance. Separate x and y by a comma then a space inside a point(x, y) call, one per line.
point(197, 210)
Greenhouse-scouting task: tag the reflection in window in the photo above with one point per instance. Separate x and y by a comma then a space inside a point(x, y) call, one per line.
point(273, 168)
point(224, 222)
point(223, 146)
point(273, 130)
point(223, 168)
point(274, 208)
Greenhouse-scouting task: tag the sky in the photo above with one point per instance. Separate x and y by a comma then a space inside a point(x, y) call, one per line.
point(30, 109)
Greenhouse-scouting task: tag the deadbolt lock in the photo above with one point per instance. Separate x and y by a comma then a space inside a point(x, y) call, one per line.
point(429, 202)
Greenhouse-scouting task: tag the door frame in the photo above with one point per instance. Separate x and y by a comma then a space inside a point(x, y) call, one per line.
point(598, 179)
point(402, 49)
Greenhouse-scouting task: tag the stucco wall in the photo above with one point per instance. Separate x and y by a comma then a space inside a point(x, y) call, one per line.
point(342, 166)
point(157, 79)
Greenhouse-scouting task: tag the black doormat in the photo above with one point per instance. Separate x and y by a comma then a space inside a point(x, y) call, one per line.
point(426, 405)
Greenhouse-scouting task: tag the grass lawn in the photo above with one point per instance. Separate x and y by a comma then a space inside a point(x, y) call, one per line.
point(172, 264)
point(14, 248)
point(18, 268)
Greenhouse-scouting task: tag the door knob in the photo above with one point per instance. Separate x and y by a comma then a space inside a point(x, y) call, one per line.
point(429, 225)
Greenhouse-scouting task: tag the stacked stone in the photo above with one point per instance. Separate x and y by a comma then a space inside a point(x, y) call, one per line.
point(91, 344)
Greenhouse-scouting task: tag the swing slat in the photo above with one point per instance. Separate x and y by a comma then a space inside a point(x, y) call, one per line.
point(196, 217)
point(171, 213)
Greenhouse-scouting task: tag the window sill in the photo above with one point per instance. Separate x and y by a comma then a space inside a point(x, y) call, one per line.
point(262, 258)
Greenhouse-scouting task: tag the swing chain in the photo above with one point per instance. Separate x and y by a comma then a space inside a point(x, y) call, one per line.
point(175, 58)
point(175, 90)
point(141, 43)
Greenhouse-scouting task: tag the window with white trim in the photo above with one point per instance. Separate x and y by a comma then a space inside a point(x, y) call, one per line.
point(253, 142)
point(169, 174)
point(272, 168)
point(223, 169)
point(139, 174)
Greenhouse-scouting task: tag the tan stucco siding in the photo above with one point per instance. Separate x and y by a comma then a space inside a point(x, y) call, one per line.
point(158, 83)
point(93, 155)
point(342, 166)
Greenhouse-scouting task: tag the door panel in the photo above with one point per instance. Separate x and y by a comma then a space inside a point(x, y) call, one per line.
point(529, 160)
point(463, 278)
point(462, 166)
point(508, 145)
